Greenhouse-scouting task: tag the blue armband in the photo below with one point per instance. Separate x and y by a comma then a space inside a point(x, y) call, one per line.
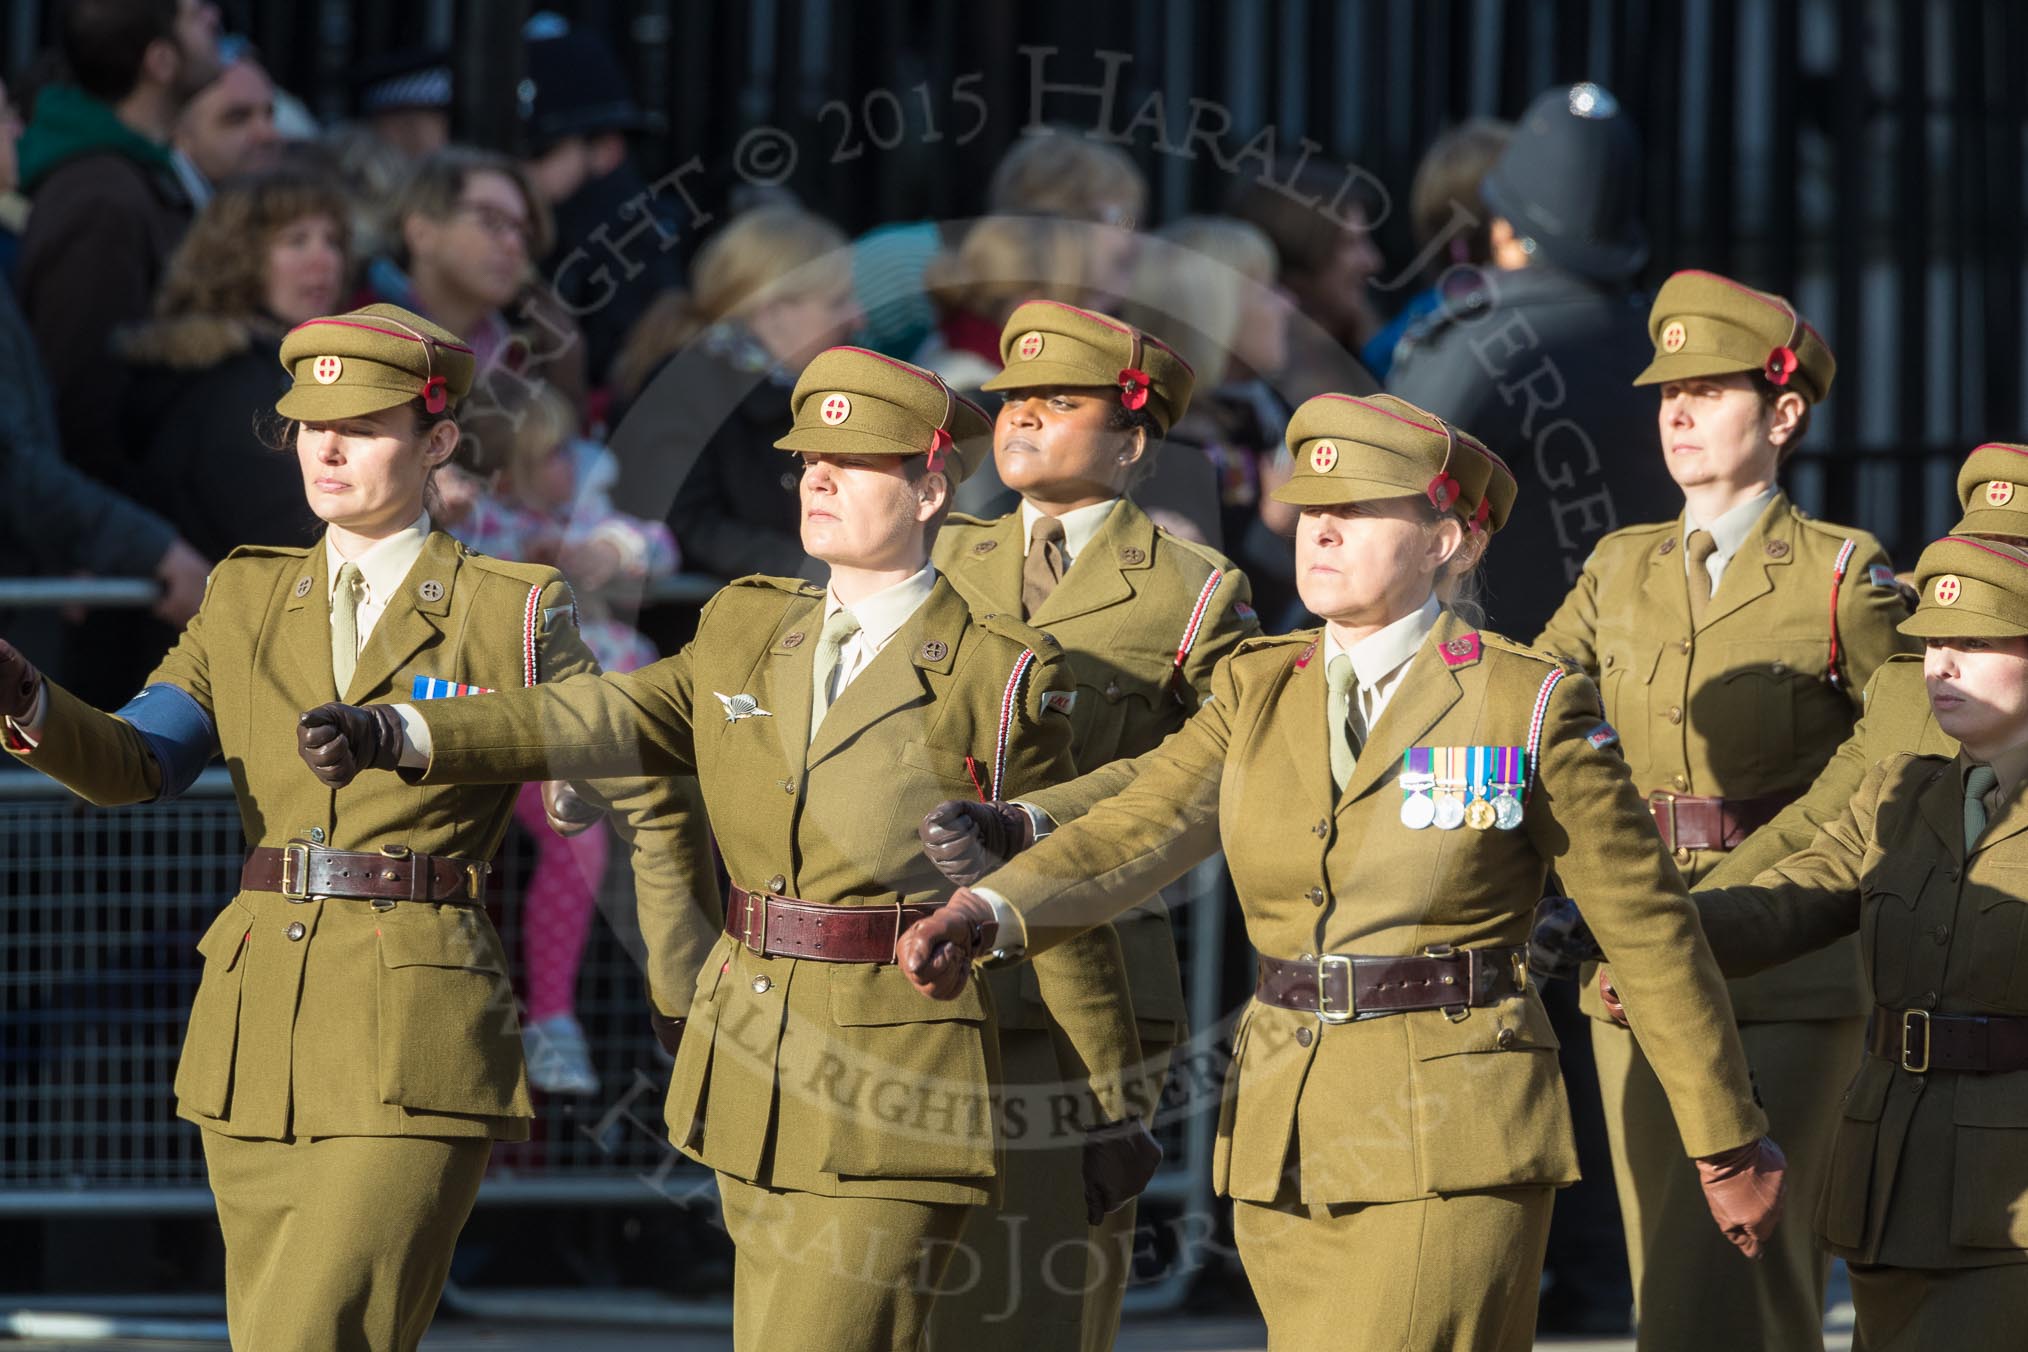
point(177, 731)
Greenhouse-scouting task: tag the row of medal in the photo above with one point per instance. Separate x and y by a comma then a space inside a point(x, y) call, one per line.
point(1452, 786)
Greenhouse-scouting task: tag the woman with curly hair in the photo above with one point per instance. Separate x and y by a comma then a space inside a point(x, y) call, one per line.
point(268, 252)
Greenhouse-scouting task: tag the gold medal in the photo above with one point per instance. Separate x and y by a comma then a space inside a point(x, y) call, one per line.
point(1480, 815)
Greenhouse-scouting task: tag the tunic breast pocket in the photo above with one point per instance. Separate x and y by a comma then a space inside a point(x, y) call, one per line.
point(1890, 888)
point(1773, 700)
point(204, 1072)
point(449, 1038)
point(1626, 669)
point(1117, 701)
point(1998, 972)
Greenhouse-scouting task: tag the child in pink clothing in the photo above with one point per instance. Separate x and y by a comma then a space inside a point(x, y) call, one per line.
point(550, 504)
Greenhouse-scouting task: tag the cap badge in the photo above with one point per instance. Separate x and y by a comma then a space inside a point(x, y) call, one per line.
point(1134, 388)
point(1999, 493)
point(1781, 364)
point(1029, 347)
point(327, 370)
point(1674, 336)
point(1948, 589)
point(835, 409)
point(1323, 457)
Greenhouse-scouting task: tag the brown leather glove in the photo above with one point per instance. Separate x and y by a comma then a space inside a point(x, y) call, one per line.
point(338, 741)
point(1745, 1189)
point(966, 840)
point(936, 952)
point(20, 682)
point(568, 811)
point(668, 1031)
point(1119, 1159)
point(1560, 941)
point(1610, 998)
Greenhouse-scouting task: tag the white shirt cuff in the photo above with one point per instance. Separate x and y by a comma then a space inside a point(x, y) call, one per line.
point(29, 729)
point(1013, 933)
point(1037, 818)
point(415, 738)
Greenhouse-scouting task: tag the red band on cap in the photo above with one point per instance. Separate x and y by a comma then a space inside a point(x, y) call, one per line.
point(1781, 364)
point(434, 396)
point(1134, 388)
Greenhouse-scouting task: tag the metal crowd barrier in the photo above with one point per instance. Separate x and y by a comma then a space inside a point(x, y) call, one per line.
point(100, 912)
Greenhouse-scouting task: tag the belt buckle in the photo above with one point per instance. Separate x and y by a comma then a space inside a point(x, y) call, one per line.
point(297, 854)
point(1908, 1026)
point(746, 936)
point(475, 880)
point(1324, 1010)
point(1666, 800)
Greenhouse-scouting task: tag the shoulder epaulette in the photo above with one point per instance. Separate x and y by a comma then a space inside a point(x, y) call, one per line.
point(794, 586)
point(1019, 632)
point(1501, 643)
point(528, 574)
point(967, 519)
point(1261, 641)
point(269, 552)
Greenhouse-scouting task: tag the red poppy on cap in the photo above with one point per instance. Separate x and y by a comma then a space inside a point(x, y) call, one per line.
point(1444, 491)
point(434, 396)
point(1134, 386)
point(1781, 364)
point(940, 444)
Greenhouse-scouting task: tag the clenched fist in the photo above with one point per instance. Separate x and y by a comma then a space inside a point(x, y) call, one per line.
point(20, 682)
point(936, 952)
point(966, 840)
point(337, 741)
point(569, 812)
point(1745, 1189)
point(1119, 1159)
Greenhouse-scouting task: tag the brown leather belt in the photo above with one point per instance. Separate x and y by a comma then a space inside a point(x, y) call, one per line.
point(1919, 1041)
point(304, 872)
point(1340, 988)
point(784, 927)
point(1688, 822)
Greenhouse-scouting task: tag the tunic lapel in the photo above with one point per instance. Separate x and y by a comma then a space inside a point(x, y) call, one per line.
point(784, 680)
point(893, 679)
point(1100, 575)
point(296, 656)
point(1943, 807)
point(1665, 587)
point(1428, 690)
point(1750, 575)
point(990, 569)
point(1300, 708)
point(410, 620)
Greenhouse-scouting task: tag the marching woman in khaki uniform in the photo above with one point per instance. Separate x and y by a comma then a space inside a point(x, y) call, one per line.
point(1993, 493)
point(852, 1124)
point(1731, 644)
point(1927, 1198)
point(1390, 793)
point(1142, 617)
point(353, 1051)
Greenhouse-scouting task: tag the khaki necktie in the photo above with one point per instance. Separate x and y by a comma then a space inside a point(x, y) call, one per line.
point(1979, 781)
point(838, 630)
point(1699, 547)
point(1339, 708)
point(345, 601)
point(1043, 568)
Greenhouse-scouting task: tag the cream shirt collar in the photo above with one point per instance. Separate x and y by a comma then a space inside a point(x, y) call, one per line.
point(1728, 532)
point(1381, 655)
point(1079, 526)
point(385, 565)
point(882, 614)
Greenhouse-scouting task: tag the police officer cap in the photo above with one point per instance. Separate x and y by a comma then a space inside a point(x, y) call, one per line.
point(1970, 589)
point(1351, 449)
point(1703, 324)
point(1993, 491)
point(850, 401)
point(1049, 343)
point(345, 366)
point(1570, 183)
point(574, 86)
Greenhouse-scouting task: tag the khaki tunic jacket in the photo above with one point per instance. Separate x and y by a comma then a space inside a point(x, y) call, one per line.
point(1739, 706)
point(1417, 1104)
point(373, 1022)
point(1927, 1171)
point(1143, 618)
point(830, 1078)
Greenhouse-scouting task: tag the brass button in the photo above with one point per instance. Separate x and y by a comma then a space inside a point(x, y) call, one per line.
point(1943, 934)
point(788, 786)
point(1611, 658)
point(1683, 645)
point(761, 984)
point(1682, 854)
point(1506, 1039)
point(1321, 829)
point(1112, 689)
point(1675, 713)
point(1778, 668)
point(1316, 895)
point(777, 883)
point(1303, 1036)
point(295, 930)
point(1928, 1000)
point(1681, 782)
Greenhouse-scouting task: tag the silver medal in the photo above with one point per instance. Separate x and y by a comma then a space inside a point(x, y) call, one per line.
point(1507, 812)
point(1418, 810)
point(1450, 812)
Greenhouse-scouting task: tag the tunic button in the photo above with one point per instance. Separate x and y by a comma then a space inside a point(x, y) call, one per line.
point(295, 930)
point(1505, 1038)
point(1316, 895)
point(1112, 689)
point(1683, 645)
point(761, 985)
point(788, 786)
point(1929, 999)
point(1321, 829)
point(777, 883)
point(1303, 1036)
point(1675, 713)
point(1951, 873)
point(1943, 933)
point(1778, 668)
point(316, 835)
point(1681, 782)
point(1682, 854)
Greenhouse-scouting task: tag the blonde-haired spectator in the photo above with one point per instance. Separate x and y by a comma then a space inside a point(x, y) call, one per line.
point(1001, 262)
